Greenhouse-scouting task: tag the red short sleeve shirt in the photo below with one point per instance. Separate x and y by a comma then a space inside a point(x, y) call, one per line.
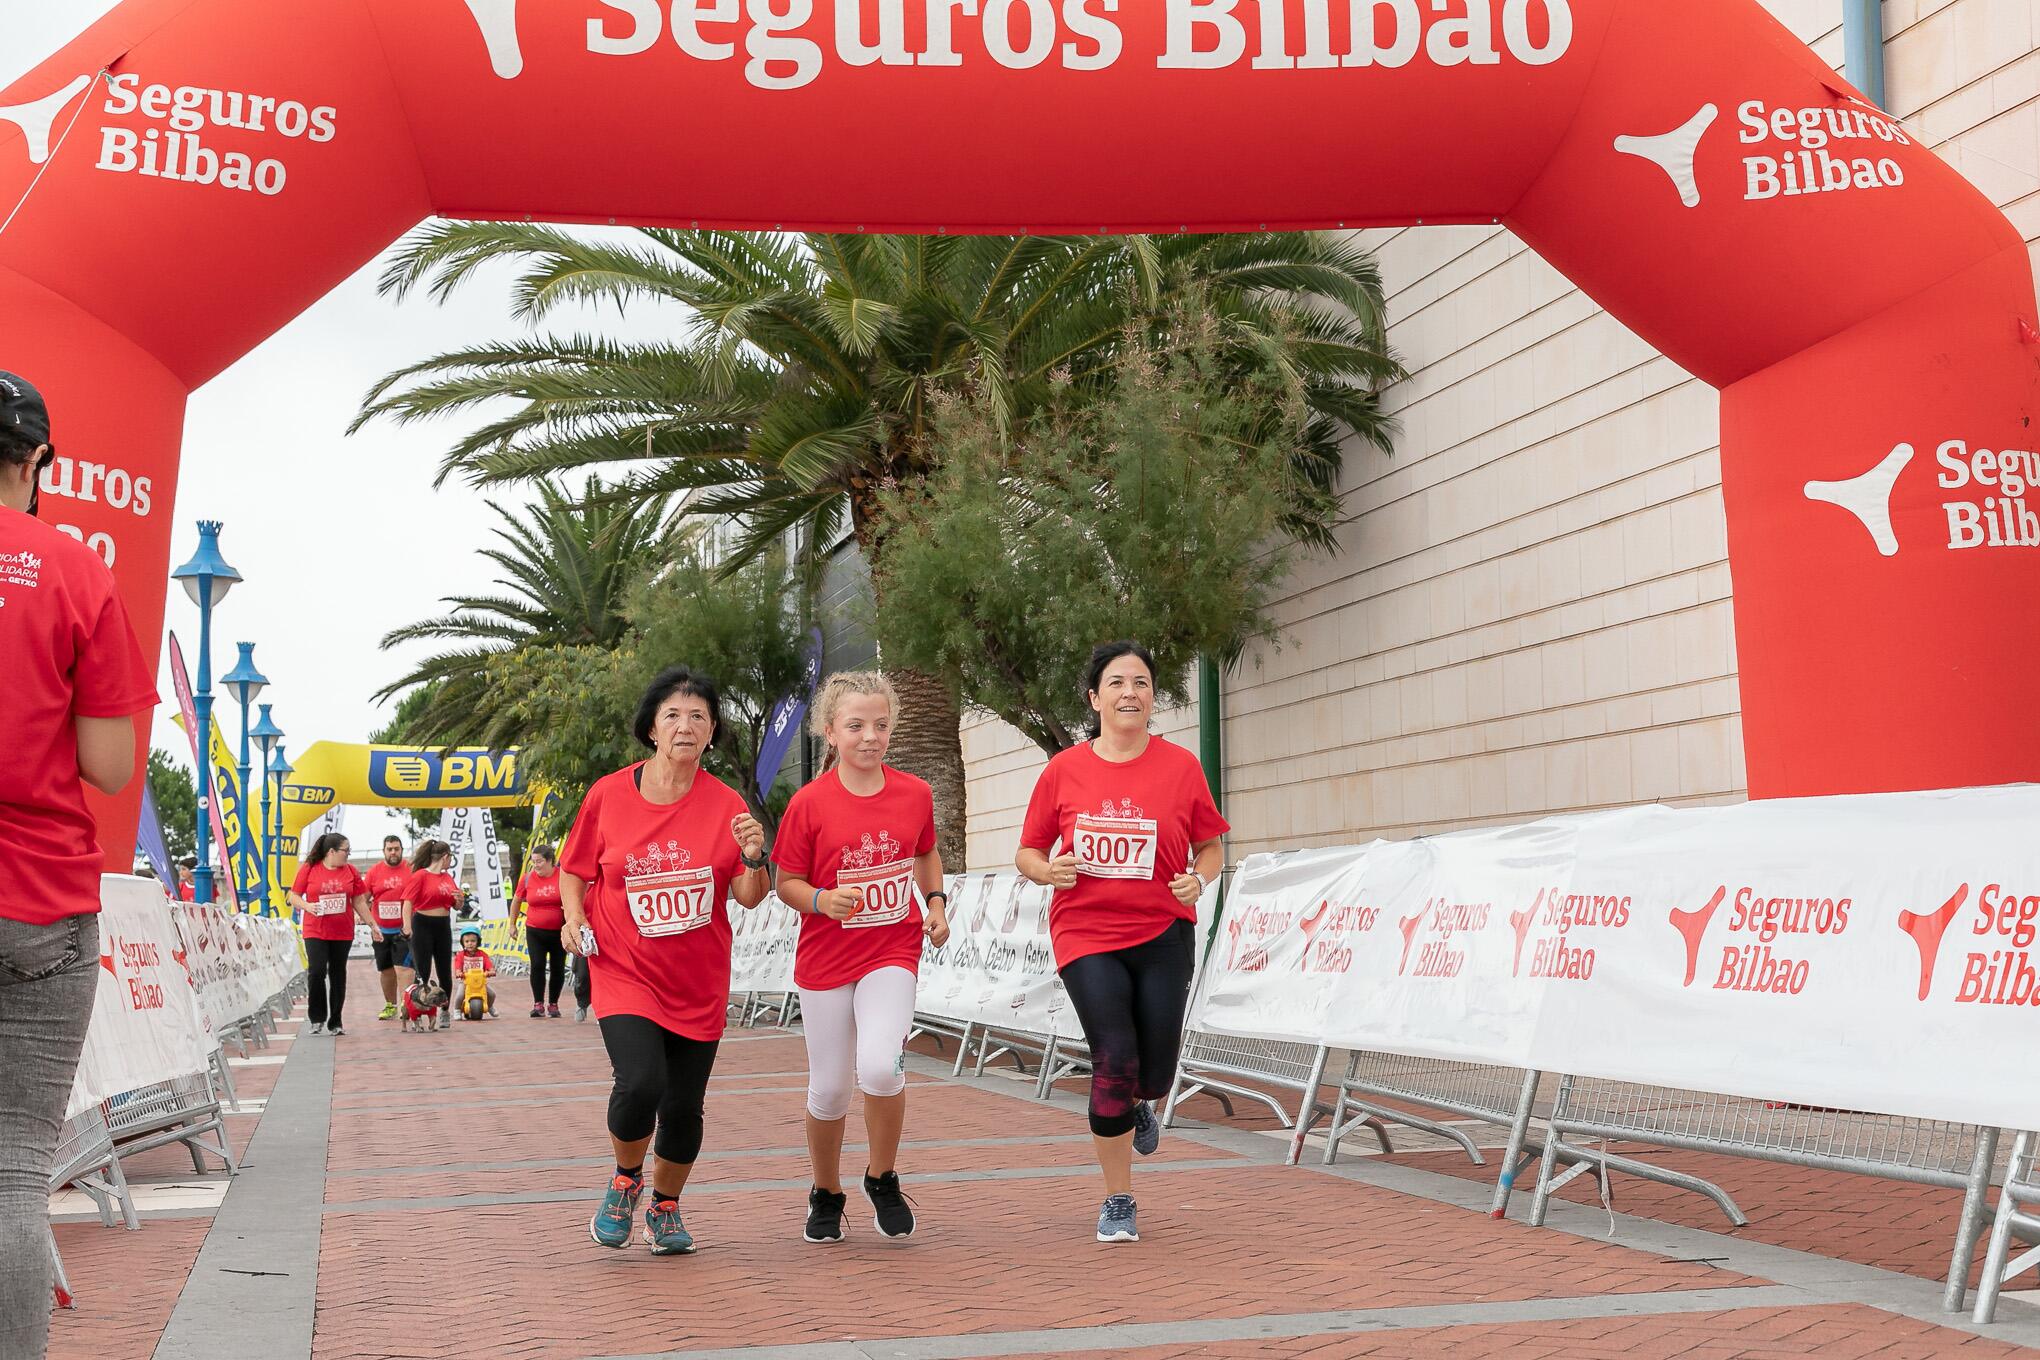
point(540, 894)
point(1131, 826)
point(386, 886)
point(427, 891)
point(70, 653)
point(658, 879)
point(834, 838)
point(329, 900)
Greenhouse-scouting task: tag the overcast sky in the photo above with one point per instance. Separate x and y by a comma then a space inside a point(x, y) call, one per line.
point(294, 397)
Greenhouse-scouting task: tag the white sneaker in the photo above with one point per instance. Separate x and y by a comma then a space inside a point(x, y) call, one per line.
point(315, 1027)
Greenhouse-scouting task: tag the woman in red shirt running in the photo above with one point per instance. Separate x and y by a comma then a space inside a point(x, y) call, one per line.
point(852, 850)
point(429, 899)
point(657, 851)
point(537, 900)
point(330, 896)
point(1139, 837)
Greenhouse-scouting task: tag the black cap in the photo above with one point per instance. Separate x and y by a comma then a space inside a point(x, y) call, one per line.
point(21, 408)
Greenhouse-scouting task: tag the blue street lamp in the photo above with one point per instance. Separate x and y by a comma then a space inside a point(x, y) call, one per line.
point(279, 770)
point(244, 682)
point(207, 578)
point(267, 737)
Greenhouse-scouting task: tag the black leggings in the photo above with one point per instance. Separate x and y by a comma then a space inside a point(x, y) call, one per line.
point(548, 964)
point(432, 940)
point(1131, 1003)
point(584, 984)
point(662, 1080)
point(326, 979)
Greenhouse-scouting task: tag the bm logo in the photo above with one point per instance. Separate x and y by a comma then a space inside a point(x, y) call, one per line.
point(422, 774)
point(316, 795)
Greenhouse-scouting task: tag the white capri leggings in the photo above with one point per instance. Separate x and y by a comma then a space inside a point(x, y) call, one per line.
point(857, 1031)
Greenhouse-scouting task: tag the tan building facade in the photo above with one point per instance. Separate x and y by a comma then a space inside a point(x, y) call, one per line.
point(1531, 610)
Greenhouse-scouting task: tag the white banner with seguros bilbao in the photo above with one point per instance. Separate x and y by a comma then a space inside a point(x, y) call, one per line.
point(1876, 952)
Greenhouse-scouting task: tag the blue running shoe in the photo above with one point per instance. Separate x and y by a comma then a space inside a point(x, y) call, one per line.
point(1147, 1130)
point(664, 1231)
point(611, 1225)
point(1115, 1220)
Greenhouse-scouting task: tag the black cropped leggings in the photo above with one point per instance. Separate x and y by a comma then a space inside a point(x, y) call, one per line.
point(1131, 1002)
point(661, 1082)
point(548, 964)
point(432, 941)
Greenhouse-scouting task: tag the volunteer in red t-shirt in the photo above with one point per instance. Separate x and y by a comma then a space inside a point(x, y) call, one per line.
point(656, 853)
point(429, 898)
point(1139, 837)
point(537, 900)
point(386, 882)
point(330, 896)
point(75, 682)
point(854, 850)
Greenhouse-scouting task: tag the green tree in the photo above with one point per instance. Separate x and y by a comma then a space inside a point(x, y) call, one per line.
point(1159, 507)
point(569, 709)
point(806, 389)
point(567, 566)
point(176, 798)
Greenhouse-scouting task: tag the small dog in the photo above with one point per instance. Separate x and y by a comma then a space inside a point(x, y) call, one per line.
point(422, 1004)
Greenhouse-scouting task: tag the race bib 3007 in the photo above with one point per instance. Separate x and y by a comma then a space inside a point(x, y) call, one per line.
point(888, 893)
point(1116, 847)
point(671, 903)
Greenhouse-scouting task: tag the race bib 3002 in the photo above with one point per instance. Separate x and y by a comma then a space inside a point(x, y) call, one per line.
point(1116, 847)
point(671, 903)
point(888, 893)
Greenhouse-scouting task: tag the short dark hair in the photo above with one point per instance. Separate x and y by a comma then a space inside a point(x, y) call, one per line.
point(427, 851)
point(667, 683)
point(392, 840)
point(325, 846)
point(16, 447)
point(1103, 655)
point(545, 848)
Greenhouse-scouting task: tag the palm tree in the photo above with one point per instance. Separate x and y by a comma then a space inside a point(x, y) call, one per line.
point(806, 387)
point(569, 564)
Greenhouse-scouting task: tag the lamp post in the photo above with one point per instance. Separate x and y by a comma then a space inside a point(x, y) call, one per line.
point(206, 578)
point(267, 737)
point(279, 770)
point(244, 682)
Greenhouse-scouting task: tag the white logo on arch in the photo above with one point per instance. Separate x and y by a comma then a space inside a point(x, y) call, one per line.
point(1868, 497)
point(1674, 152)
point(36, 119)
point(498, 21)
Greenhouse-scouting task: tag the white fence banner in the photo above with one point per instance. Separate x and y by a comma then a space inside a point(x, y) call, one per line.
point(761, 946)
point(146, 1024)
point(1875, 952)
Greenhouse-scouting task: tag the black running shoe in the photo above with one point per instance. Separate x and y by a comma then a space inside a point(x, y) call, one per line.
point(825, 1215)
point(891, 1213)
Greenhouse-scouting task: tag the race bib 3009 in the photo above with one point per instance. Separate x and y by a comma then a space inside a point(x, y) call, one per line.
point(888, 893)
point(329, 904)
point(671, 903)
point(1116, 847)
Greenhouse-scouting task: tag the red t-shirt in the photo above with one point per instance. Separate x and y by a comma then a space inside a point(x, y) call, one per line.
point(478, 959)
point(658, 881)
point(427, 891)
point(541, 897)
point(833, 838)
point(1131, 826)
point(70, 653)
point(187, 892)
point(329, 900)
point(386, 885)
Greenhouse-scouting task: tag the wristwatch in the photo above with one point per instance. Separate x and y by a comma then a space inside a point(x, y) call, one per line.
point(750, 863)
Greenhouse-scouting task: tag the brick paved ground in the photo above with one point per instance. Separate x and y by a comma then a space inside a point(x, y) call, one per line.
point(473, 1158)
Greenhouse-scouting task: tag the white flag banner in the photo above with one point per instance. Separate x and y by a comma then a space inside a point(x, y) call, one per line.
point(1873, 952)
point(472, 831)
point(146, 1019)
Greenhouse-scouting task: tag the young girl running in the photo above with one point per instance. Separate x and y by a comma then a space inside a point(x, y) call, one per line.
point(1140, 841)
point(852, 850)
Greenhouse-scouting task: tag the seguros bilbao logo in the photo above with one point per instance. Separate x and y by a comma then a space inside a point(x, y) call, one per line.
point(1983, 495)
point(426, 774)
point(1786, 152)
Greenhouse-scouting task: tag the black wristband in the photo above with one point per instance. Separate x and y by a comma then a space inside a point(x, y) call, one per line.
point(750, 863)
point(937, 893)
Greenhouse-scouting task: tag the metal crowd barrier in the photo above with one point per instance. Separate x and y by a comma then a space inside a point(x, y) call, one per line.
point(1063, 1058)
point(1919, 1151)
point(1219, 1064)
point(85, 1158)
point(2021, 1189)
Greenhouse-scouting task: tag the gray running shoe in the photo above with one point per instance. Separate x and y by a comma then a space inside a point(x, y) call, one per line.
point(611, 1225)
point(1115, 1220)
point(664, 1231)
point(1147, 1130)
point(580, 1013)
point(315, 1027)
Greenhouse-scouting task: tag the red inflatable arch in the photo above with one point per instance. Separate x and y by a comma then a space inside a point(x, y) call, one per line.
point(1867, 316)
